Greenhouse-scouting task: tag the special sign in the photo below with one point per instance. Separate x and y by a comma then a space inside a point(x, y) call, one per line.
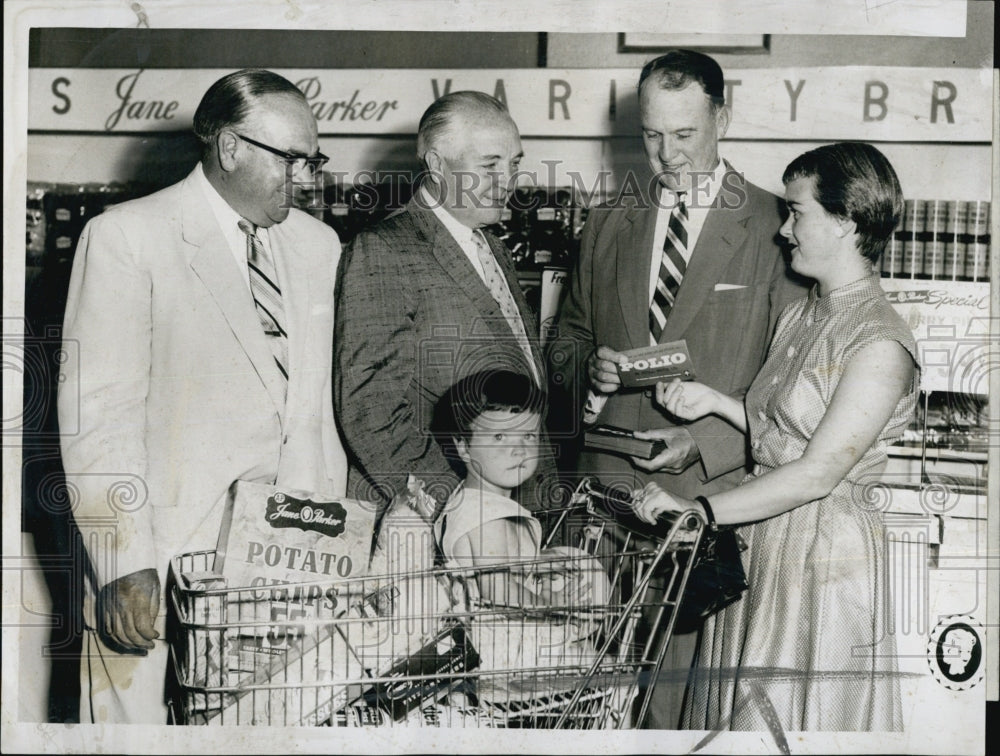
point(849, 102)
point(950, 321)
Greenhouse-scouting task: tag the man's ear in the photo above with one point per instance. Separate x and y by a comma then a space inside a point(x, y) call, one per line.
point(435, 166)
point(227, 144)
point(723, 117)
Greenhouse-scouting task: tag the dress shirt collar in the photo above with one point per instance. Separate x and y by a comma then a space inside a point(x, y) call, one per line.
point(845, 297)
point(229, 220)
point(462, 234)
point(702, 196)
point(224, 214)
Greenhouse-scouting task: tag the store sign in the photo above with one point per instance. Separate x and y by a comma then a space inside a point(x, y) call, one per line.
point(862, 102)
point(554, 290)
point(950, 321)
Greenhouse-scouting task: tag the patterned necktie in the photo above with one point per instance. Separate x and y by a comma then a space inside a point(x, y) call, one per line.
point(673, 263)
point(267, 297)
point(497, 285)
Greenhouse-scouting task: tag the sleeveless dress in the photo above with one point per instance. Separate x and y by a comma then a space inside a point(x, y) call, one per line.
point(471, 508)
point(808, 647)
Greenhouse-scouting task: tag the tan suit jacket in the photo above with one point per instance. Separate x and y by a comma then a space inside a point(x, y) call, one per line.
point(175, 394)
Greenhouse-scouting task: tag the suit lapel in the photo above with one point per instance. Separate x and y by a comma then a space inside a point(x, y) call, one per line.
point(296, 299)
point(723, 233)
point(213, 263)
point(455, 263)
point(635, 246)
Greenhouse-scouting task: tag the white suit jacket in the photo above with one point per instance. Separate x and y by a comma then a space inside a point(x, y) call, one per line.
point(175, 393)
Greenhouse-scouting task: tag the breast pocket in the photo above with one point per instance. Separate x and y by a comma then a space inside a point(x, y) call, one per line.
point(729, 308)
point(728, 337)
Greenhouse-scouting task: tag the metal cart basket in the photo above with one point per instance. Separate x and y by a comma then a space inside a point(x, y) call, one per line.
point(443, 647)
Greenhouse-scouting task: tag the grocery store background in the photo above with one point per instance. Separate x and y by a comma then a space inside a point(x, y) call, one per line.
point(101, 128)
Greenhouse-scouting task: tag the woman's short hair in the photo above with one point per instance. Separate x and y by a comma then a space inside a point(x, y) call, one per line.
point(854, 180)
point(470, 397)
point(229, 100)
point(439, 118)
point(678, 68)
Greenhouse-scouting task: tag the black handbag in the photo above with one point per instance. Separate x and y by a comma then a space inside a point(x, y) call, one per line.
point(717, 578)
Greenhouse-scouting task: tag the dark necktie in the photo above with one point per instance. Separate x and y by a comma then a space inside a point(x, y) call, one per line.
point(673, 263)
point(267, 297)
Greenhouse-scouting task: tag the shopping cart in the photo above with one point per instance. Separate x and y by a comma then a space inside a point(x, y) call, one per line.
point(432, 648)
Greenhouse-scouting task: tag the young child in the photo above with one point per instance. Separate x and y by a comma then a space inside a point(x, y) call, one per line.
point(489, 426)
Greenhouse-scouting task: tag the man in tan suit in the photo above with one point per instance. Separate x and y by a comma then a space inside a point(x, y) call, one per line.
point(204, 316)
point(699, 261)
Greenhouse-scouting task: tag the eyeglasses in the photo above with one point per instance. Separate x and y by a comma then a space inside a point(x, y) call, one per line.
point(311, 163)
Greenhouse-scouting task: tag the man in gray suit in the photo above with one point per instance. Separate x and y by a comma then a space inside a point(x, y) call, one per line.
point(427, 297)
point(697, 261)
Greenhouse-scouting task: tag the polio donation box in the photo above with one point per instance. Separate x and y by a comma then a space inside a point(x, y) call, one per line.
point(649, 365)
point(272, 534)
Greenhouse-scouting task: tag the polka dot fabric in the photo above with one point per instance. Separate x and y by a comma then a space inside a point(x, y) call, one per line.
point(811, 632)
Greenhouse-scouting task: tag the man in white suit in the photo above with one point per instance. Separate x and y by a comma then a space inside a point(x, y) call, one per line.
point(189, 376)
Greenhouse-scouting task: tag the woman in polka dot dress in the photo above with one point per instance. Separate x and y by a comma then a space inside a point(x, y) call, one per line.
point(807, 647)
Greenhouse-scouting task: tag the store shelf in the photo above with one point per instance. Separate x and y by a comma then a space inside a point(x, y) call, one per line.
point(939, 453)
point(936, 500)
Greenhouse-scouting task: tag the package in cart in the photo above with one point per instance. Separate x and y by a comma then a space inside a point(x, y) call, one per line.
point(402, 614)
point(272, 534)
point(406, 599)
point(453, 711)
point(234, 634)
point(360, 715)
point(424, 677)
point(298, 681)
point(208, 645)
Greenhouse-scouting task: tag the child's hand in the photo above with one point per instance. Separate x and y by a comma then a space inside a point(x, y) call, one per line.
point(565, 588)
point(417, 499)
point(689, 400)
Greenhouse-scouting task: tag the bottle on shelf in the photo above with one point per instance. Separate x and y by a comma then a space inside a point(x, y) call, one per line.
point(954, 243)
point(977, 254)
point(914, 219)
point(892, 257)
point(934, 242)
point(977, 259)
point(514, 227)
point(978, 218)
point(550, 235)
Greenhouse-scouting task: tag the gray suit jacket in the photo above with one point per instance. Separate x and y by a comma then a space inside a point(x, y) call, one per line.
point(727, 329)
point(414, 318)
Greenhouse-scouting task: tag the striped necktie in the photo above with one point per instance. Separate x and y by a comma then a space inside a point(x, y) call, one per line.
point(267, 297)
point(673, 263)
point(497, 285)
